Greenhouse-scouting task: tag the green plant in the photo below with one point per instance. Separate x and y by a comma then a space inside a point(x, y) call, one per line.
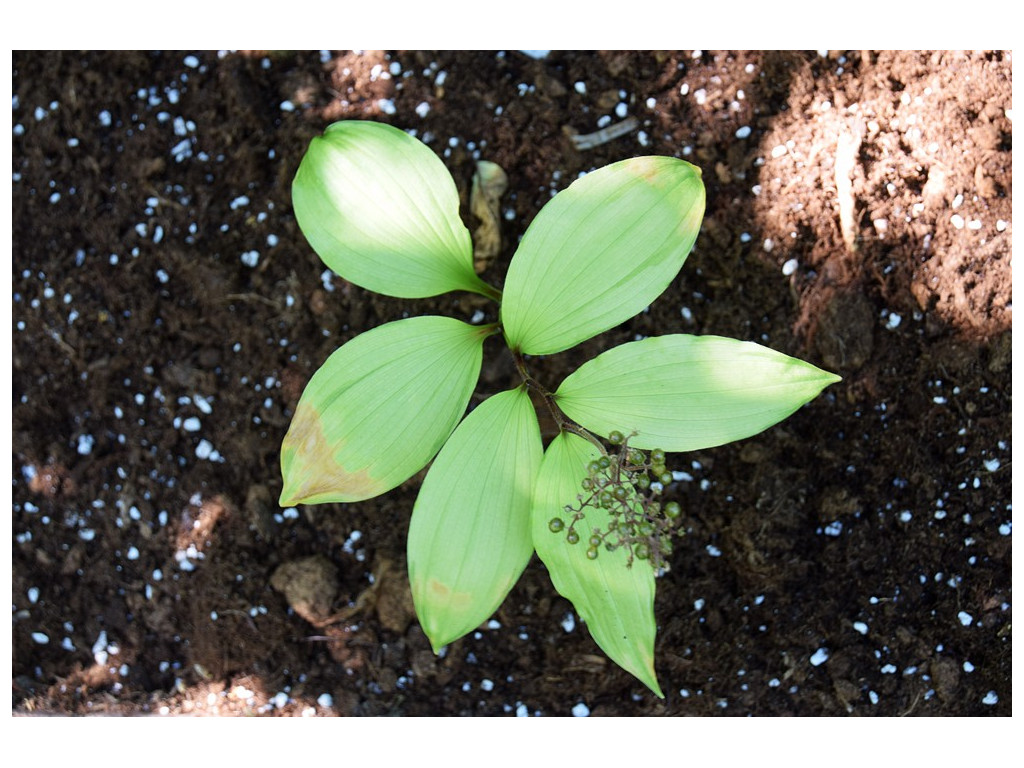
point(381, 210)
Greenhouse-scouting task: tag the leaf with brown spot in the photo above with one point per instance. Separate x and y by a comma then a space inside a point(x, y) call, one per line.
point(469, 537)
point(600, 251)
point(378, 410)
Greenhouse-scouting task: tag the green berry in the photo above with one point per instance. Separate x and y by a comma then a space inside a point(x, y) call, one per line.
point(620, 493)
point(665, 478)
point(556, 524)
point(594, 541)
point(658, 456)
point(641, 551)
point(593, 467)
point(592, 553)
point(643, 482)
point(673, 510)
point(572, 537)
point(604, 462)
point(616, 438)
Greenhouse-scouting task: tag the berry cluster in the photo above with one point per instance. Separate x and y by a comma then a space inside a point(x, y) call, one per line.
point(627, 484)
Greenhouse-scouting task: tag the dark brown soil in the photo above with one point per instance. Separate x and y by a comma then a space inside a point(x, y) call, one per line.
point(167, 313)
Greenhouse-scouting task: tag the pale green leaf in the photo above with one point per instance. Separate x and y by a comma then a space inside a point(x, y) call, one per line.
point(615, 600)
point(682, 392)
point(600, 251)
point(378, 409)
point(469, 537)
point(382, 211)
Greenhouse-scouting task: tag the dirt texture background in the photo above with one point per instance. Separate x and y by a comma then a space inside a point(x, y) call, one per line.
point(167, 313)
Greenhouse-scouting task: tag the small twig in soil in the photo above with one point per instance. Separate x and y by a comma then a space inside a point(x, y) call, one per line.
point(596, 139)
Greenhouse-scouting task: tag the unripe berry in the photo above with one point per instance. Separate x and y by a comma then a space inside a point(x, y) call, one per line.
point(572, 537)
point(673, 510)
point(594, 541)
point(556, 524)
point(592, 553)
point(616, 438)
point(658, 456)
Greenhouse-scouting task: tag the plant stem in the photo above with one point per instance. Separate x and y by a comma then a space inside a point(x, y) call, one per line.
point(565, 424)
point(488, 290)
point(490, 329)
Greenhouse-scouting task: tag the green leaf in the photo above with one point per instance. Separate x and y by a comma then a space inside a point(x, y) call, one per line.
point(382, 211)
point(469, 537)
point(616, 601)
point(682, 392)
point(378, 409)
point(601, 251)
